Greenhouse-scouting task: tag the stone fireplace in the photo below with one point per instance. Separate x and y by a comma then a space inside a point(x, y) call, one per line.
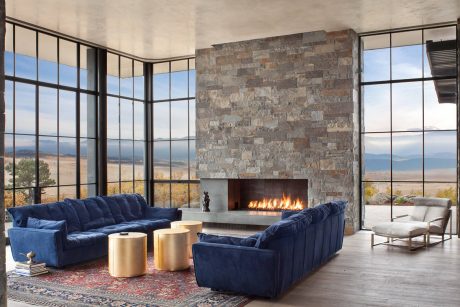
point(281, 108)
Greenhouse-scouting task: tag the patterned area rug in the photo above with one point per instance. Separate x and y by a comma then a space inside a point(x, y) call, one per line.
point(90, 284)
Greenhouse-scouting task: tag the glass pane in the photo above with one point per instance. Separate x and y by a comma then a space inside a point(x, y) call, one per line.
point(126, 154)
point(192, 78)
point(67, 63)
point(406, 55)
point(47, 58)
point(127, 187)
point(8, 200)
point(161, 194)
point(439, 51)
point(88, 161)
point(87, 190)
point(179, 79)
point(438, 114)
point(161, 81)
point(25, 161)
point(193, 166)
point(179, 195)
point(161, 120)
point(67, 192)
point(25, 41)
point(179, 160)
point(113, 118)
point(403, 194)
point(113, 86)
point(113, 188)
point(376, 156)
point(9, 153)
point(126, 77)
point(139, 187)
point(9, 55)
point(24, 197)
point(139, 160)
point(407, 107)
point(67, 161)
point(407, 156)
point(377, 203)
point(48, 155)
point(139, 121)
point(441, 156)
point(192, 118)
point(25, 108)
point(195, 195)
point(49, 195)
point(48, 111)
point(179, 119)
point(161, 160)
point(376, 108)
point(138, 80)
point(113, 160)
point(67, 113)
point(87, 115)
point(376, 57)
point(9, 113)
point(87, 68)
point(126, 119)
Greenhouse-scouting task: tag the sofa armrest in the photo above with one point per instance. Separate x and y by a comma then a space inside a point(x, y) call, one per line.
point(47, 244)
point(172, 214)
point(235, 268)
point(287, 213)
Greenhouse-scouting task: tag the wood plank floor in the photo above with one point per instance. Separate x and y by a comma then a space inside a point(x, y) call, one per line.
point(383, 276)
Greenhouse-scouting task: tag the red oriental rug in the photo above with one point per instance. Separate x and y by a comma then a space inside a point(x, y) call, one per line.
point(90, 284)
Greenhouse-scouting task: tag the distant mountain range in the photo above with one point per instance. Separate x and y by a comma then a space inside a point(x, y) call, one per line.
point(381, 162)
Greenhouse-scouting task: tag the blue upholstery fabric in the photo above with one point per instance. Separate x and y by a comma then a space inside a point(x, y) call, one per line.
point(297, 245)
point(89, 222)
point(250, 242)
point(114, 208)
point(47, 224)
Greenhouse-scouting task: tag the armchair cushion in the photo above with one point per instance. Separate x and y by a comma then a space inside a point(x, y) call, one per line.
point(400, 229)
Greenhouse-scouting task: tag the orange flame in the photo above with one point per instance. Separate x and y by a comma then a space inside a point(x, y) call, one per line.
point(284, 203)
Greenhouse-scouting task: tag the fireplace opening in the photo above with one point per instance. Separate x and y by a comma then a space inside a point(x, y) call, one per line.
point(267, 194)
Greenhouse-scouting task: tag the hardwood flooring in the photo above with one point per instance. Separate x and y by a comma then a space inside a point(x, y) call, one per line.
point(383, 276)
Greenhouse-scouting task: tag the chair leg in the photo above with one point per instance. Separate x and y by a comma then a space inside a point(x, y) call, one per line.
point(410, 244)
point(428, 239)
point(424, 240)
point(372, 240)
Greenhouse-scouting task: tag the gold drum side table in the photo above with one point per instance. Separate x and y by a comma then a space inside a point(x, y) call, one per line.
point(194, 227)
point(127, 254)
point(170, 249)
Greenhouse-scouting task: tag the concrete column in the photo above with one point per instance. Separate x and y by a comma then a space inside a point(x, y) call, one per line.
point(2, 160)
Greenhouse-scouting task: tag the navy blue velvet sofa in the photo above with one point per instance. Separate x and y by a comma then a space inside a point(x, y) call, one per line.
point(268, 263)
point(74, 230)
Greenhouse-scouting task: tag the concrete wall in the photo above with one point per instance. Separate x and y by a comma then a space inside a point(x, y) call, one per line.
point(283, 107)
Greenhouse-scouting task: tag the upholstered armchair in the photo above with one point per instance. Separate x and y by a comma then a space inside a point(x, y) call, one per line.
point(435, 213)
point(429, 217)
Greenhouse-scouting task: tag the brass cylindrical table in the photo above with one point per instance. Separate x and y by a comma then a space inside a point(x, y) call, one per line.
point(170, 249)
point(127, 254)
point(194, 227)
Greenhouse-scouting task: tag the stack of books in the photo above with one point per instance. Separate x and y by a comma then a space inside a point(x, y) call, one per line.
point(25, 269)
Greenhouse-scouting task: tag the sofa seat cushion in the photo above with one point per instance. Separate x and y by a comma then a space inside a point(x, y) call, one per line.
point(109, 229)
point(400, 229)
point(86, 238)
point(47, 224)
point(148, 225)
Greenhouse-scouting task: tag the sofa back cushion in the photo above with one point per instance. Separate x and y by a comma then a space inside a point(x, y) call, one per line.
point(285, 228)
point(137, 204)
point(92, 212)
point(115, 208)
point(129, 205)
point(209, 238)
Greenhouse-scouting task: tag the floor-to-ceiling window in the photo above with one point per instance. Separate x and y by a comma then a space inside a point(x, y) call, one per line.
point(50, 133)
point(174, 170)
point(125, 125)
point(408, 120)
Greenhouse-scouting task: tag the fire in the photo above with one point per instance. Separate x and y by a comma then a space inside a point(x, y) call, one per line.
point(284, 203)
